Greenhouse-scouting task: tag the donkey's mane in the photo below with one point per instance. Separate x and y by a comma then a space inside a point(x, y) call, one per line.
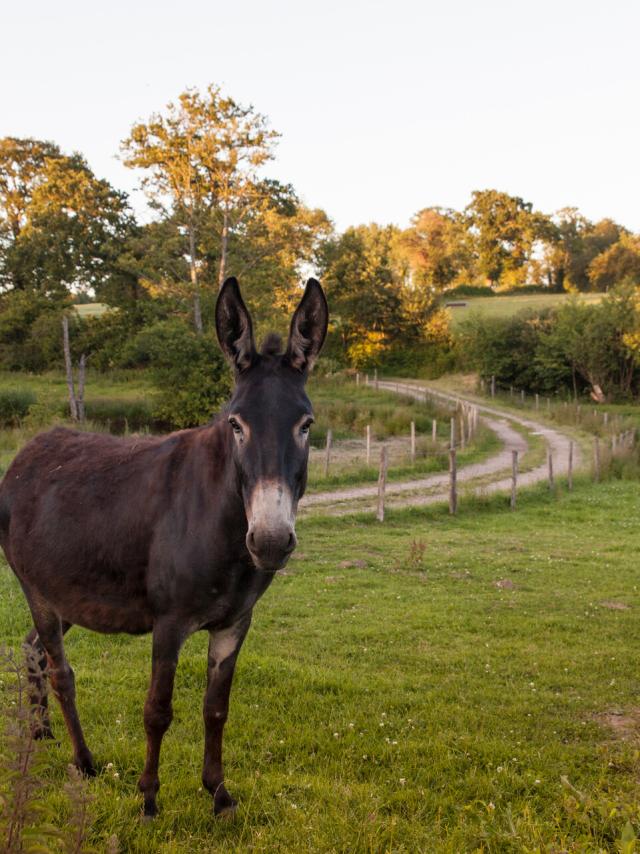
point(272, 345)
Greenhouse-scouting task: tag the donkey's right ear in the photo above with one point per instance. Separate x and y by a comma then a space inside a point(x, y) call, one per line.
point(234, 328)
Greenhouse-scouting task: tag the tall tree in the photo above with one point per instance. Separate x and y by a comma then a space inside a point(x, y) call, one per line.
point(61, 228)
point(617, 264)
point(573, 247)
point(437, 248)
point(202, 159)
point(505, 230)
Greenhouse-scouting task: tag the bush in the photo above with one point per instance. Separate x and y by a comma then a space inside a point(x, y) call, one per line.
point(120, 415)
point(14, 406)
point(468, 291)
point(188, 371)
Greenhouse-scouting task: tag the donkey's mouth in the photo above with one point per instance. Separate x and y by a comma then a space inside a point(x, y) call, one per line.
point(264, 564)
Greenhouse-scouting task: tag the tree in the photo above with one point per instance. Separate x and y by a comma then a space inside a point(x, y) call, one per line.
point(574, 245)
point(505, 230)
point(364, 278)
point(619, 263)
point(437, 249)
point(202, 160)
point(61, 228)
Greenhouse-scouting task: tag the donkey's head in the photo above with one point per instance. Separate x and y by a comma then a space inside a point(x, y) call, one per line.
point(270, 416)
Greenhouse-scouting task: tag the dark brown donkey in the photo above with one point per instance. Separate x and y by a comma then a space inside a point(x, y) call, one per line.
point(167, 534)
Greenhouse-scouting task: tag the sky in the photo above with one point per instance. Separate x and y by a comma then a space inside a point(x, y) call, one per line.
point(384, 107)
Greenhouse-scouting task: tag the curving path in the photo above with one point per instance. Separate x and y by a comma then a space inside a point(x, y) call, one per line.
point(433, 489)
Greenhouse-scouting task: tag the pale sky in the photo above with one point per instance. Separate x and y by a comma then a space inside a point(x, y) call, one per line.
point(384, 107)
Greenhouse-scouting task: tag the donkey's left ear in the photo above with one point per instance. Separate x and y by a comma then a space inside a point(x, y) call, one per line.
point(308, 328)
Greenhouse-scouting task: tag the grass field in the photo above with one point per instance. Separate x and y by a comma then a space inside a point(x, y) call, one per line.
point(507, 306)
point(435, 684)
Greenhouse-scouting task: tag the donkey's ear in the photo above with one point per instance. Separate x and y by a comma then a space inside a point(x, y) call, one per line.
point(308, 328)
point(234, 328)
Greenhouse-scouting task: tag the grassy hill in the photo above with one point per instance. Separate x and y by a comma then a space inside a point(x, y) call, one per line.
point(506, 306)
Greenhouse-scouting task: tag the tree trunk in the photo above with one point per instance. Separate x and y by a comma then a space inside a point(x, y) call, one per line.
point(73, 403)
point(195, 284)
point(224, 242)
point(81, 376)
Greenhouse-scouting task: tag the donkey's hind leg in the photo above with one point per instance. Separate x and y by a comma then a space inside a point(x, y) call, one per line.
point(50, 630)
point(38, 688)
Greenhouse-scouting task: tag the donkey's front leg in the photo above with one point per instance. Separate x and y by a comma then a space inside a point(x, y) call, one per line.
point(224, 646)
point(167, 640)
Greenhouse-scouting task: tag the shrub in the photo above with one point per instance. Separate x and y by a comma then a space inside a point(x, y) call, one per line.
point(188, 371)
point(120, 415)
point(14, 406)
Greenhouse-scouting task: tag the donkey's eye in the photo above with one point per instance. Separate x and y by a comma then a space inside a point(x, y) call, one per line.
point(235, 426)
point(305, 427)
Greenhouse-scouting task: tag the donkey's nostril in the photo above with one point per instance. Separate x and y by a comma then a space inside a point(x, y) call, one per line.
point(293, 542)
point(251, 540)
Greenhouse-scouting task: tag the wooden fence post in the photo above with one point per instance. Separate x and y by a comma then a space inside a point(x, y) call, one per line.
point(522, 395)
point(493, 386)
point(606, 418)
point(514, 478)
point(357, 377)
point(327, 458)
point(413, 442)
point(596, 458)
point(462, 436)
point(537, 401)
point(453, 485)
point(382, 482)
point(368, 444)
point(366, 379)
point(570, 468)
point(434, 430)
point(452, 439)
point(550, 460)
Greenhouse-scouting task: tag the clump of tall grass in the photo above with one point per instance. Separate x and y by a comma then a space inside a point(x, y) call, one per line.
point(27, 823)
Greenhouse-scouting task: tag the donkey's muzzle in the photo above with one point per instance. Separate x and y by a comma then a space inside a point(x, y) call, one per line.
point(270, 548)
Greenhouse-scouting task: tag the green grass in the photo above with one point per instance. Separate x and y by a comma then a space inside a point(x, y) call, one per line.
point(407, 705)
point(507, 306)
point(91, 309)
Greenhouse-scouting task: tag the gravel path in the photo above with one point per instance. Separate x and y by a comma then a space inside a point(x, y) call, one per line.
point(435, 487)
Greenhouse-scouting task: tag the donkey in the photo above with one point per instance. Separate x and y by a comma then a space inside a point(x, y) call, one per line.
point(167, 535)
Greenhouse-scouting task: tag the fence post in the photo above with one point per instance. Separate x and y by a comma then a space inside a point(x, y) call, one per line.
point(493, 386)
point(453, 486)
point(606, 418)
point(327, 458)
point(368, 444)
point(382, 482)
point(570, 468)
point(413, 442)
point(452, 440)
point(462, 436)
point(514, 478)
point(537, 401)
point(551, 483)
point(357, 377)
point(434, 430)
point(522, 395)
point(596, 458)
point(366, 379)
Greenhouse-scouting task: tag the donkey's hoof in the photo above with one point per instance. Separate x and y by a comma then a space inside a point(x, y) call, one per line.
point(226, 813)
point(41, 731)
point(85, 765)
point(224, 806)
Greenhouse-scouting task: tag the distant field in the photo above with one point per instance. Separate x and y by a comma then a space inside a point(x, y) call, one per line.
point(510, 305)
point(91, 309)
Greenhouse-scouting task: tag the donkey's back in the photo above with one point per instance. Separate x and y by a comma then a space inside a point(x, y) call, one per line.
point(78, 515)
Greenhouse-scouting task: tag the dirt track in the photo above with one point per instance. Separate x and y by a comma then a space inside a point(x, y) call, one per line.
point(432, 489)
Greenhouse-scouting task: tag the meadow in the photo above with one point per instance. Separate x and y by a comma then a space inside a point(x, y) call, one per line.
point(507, 306)
point(434, 684)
